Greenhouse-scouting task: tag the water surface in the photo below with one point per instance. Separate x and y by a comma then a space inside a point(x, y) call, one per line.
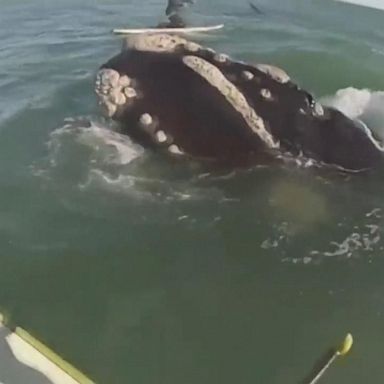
point(143, 271)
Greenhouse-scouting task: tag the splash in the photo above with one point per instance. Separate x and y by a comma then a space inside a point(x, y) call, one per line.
point(89, 155)
point(106, 145)
point(82, 147)
point(361, 104)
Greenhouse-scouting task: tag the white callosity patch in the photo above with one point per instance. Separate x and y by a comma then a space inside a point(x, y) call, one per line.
point(192, 47)
point(174, 149)
point(161, 136)
point(221, 58)
point(117, 97)
point(276, 73)
point(113, 90)
point(247, 75)
point(210, 51)
point(160, 43)
point(108, 78)
point(146, 120)
point(125, 81)
point(149, 124)
point(130, 92)
point(318, 109)
point(266, 94)
point(233, 95)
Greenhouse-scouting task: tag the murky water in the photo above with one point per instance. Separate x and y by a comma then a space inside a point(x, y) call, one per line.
point(144, 271)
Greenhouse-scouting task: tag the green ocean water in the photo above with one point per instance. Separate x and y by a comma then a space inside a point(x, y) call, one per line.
point(142, 271)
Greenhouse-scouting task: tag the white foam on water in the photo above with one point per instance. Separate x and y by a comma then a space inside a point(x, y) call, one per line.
point(84, 149)
point(122, 184)
point(132, 185)
point(378, 51)
point(106, 144)
point(363, 240)
point(92, 156)
point(149, 188)
point(279, 237)
point(360, 104)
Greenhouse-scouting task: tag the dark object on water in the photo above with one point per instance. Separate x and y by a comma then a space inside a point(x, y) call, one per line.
point(174, 6)
point(177, 97)
point(173, 12)
point(256, 9)
point(174, 21)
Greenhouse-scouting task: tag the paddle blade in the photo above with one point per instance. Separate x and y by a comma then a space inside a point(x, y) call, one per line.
point(346, 346)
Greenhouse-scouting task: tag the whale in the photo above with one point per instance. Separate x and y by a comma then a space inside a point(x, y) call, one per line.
point(175, 96)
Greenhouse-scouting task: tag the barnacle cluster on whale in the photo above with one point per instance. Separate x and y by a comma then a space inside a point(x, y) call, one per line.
point(179, 97)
